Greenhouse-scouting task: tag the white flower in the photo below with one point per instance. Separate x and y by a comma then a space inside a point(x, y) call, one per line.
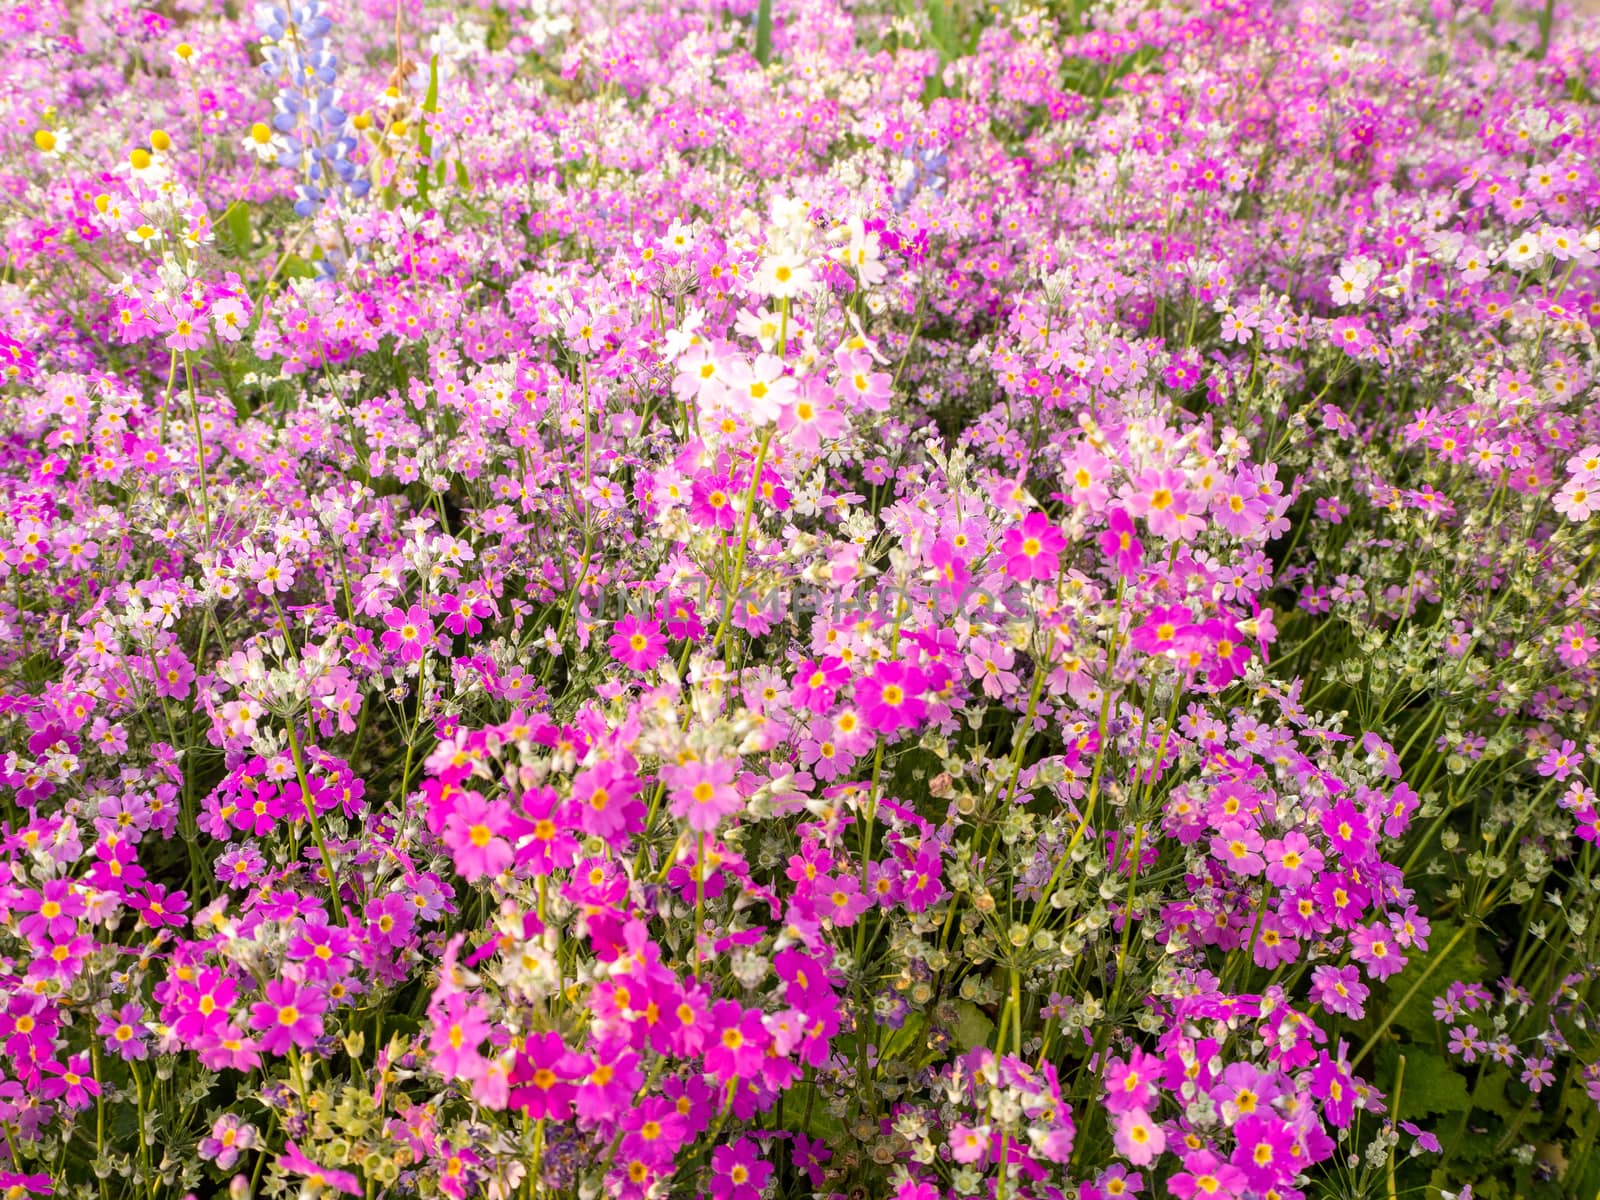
point(759, 391)
point(1355, 276)
point(861, 253)
point(783, 276)
point(763, 326)
point(260, 144)
point(1524, 251)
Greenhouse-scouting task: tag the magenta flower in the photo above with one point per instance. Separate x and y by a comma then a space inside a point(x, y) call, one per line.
point(817, 683)
point(637, 643)
point(1340, 990)
point(740, 1170)
point(320, 1179)
point(1121, 545)
point(890, 697)
point(289, 1015)
point(72, 1084)
point(158, 907)
point(1033, 549)
point(1165, 628)
point(124, 1032)
point(1131, 1084)
point(408, 633)
point(702, 793)
point(473, 834)
point(738, 1043)
point(1374, 947)
point(1265, 1152)
point(54, 910)
point(544, 1077)
point(230, 1138)
point(1238, 846)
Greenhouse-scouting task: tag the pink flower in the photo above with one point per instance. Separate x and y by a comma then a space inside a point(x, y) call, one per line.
point(759, 391)
point(1579, 499)
point(839, 899)
point(637, 643)
point(813, 418)
point(289, 1015)
point(1560, 761)
point(1576, 646)
point(968, 1143)
point(186, 334)
point(273, 575)
point(604, 800)
point(472, 834)
point(1207, 1176)
point(1159, 496)
point(1139, 1139)
point(1033, 549)
point(409, 632)
point(1238, 847)
point(702, 793)
point(458, 1031)
point(859, 385)
point(1339, 990)
point(889, 697)
point(1236, 509)
point(1292, 861)
point(1121, 545)
point(293, 1162)
point(1374, 947)
point(951, 573)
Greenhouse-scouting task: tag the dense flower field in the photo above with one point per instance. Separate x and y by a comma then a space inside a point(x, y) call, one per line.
point(785, 598)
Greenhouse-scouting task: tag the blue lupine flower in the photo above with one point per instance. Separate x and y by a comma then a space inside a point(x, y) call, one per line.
point(927, 172)
point(315, 139)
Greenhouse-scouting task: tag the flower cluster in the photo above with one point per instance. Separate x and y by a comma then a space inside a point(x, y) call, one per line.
point(832, 599)
point(315, 135)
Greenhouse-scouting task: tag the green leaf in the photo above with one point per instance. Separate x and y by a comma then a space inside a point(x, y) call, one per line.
point(1431, 1085)
point(942, 29)
point(1586, 1181)
point(1490, 1095)
point(295, 267)
point(430, 104)
point(236, 221)
point(973, 1027)
point(430, 101)
point(462, 180)
point(904, 1042)
point(764, 32)
point(819, 1122)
